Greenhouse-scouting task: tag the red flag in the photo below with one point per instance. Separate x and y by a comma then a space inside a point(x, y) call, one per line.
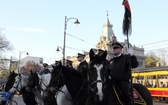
point(126, 4)
point(127, 21)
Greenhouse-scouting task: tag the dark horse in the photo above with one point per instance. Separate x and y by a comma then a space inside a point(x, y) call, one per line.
point(76, 85)
point(10, 81)
point(102, 91)
point(38, 84)
point(14, 80)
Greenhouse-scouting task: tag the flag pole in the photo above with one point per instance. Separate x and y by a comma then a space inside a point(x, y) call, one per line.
point(127, 30)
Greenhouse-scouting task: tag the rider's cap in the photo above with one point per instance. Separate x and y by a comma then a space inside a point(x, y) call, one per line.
point(116, 45)
point(69, 61)
point(80, 55)
point(45, 64)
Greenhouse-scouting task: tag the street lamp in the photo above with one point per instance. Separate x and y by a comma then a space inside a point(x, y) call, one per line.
point(20, 53)
point(58, 49)
point(65, 27)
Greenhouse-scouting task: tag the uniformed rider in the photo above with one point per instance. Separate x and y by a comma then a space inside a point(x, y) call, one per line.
point(45, 70)
point(120, 71)
point(69, 63)
point(83, 65)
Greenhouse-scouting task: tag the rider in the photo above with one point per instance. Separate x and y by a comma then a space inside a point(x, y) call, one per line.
point(83, 65)
point(46, 70)
point(69, 63)
point(5, 97)
point(120, 71)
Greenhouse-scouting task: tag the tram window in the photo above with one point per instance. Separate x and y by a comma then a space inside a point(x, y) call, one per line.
point(154, 77)
point(141, 77)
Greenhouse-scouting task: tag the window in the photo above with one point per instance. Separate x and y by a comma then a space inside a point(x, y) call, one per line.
point(41, 60)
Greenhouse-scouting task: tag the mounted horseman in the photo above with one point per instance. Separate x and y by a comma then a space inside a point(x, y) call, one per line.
point(46, 70)
point(83, 65)
point(69, 63)
point(120, 72)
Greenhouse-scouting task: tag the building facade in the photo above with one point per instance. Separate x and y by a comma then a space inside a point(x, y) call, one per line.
point(105, 43)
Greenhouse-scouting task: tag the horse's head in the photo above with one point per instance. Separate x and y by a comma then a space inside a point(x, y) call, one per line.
point(56, 80)
point(96, 73)
point(33, 81)
point(10, 81)
point(20, 82)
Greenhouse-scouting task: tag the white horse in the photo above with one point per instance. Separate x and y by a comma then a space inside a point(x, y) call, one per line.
point(20, 82)
point(20, 85)
point(39, 83)
point(63, 97)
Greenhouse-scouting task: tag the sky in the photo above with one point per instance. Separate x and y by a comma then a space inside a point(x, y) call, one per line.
point(37, 26)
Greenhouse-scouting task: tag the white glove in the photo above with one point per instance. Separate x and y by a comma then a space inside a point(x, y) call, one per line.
point(130, 51)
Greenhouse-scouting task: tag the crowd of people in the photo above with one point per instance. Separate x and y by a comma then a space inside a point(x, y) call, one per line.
point(119, 70)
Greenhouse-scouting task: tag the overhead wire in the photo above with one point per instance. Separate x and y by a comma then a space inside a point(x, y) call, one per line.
point(154, 42)
point(147, 44)
point(80, 39)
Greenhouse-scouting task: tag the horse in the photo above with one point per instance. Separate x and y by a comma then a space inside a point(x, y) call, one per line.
point(20, 85)
point(104, 90)
point(101, 87)
point(10, 81)
point(74, 82)
point(38, 85)
point(55, 94)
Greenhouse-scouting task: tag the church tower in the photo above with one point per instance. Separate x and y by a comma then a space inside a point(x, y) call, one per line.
point(107, 38)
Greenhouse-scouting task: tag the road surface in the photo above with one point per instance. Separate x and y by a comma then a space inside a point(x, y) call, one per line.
point(19, 100)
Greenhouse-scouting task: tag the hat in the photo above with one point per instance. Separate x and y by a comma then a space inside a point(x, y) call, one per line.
point(80, 55)
point(116, 45)
point(69, 61)
point(45, 64)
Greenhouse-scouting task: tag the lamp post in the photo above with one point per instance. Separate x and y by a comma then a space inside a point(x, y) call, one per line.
point(65, 27)
point(20, 53)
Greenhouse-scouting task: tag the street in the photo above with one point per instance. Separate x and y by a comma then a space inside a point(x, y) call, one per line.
point(19, 100)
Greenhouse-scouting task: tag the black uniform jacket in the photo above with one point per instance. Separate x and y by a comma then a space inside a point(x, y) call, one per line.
point(120, 67)
point(83, 69)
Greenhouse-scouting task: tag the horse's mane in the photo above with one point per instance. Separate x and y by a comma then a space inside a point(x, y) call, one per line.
point(72, 71)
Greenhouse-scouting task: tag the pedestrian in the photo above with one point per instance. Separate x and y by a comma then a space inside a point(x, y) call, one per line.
point(69, 63)
point(45, 70)
point(83, 65)
point(120, 71)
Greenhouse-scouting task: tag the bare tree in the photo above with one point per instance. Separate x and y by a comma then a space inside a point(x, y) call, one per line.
point(150, 60)
point(163, 54)
point(5, 45)
point(31, 65)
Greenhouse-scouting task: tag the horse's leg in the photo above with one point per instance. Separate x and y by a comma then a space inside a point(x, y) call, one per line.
point(28, 97)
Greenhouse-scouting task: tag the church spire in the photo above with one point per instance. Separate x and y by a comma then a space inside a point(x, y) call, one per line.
point(107, 30)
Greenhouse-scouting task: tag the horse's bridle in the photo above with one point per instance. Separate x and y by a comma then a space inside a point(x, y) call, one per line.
point(98, 81)
point(19, 81)
point(54, 87)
